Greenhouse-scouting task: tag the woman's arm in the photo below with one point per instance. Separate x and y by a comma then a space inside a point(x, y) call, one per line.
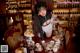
point(37, 28)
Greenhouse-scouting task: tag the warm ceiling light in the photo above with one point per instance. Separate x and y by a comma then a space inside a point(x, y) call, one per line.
point(11, 20)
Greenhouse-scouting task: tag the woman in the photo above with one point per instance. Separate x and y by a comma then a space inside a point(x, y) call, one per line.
point(42, 21)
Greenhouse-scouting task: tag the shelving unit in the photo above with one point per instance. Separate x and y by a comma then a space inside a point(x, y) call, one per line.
point(18, 11)
point(69, 9)
point(23, 7)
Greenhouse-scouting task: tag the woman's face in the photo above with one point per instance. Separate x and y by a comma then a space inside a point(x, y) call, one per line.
point(42, 11)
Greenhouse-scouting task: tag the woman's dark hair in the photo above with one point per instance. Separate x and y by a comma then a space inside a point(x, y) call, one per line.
point(39, 5)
